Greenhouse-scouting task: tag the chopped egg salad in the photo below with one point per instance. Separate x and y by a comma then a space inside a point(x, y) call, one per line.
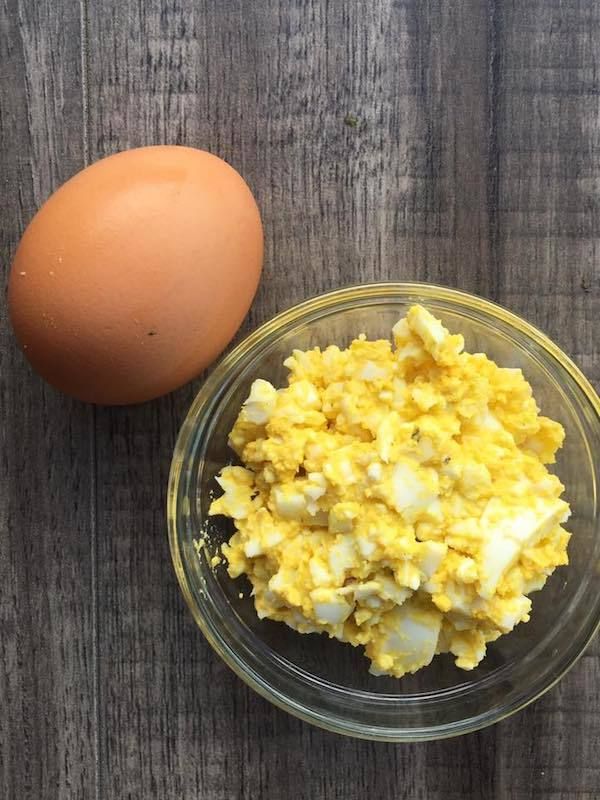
point(396, 497)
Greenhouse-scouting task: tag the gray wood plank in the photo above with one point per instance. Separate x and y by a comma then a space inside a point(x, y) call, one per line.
point(400, 193)
point(47, 718)
point(547, 150)
point(550, 750)
point(548, 163)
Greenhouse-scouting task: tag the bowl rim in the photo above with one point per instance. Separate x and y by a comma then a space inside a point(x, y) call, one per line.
point(337, 297)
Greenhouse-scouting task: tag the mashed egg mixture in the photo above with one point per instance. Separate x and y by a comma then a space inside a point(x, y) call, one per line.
point(396, 497)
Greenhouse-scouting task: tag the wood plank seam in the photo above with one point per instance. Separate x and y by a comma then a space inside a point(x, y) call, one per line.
point(85, 130)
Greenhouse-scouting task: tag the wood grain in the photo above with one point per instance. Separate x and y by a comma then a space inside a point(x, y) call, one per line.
point(449, 142)
point(47, 688)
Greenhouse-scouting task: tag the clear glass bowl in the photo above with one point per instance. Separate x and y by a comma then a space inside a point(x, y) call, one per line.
point(321, 680)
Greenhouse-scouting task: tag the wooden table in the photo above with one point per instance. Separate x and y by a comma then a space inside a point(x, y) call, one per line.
point(453, 142)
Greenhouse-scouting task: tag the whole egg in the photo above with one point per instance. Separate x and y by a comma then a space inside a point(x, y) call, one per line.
point(136, 273)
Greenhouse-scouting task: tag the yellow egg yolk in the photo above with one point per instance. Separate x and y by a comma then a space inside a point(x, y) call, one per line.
point(396, 497)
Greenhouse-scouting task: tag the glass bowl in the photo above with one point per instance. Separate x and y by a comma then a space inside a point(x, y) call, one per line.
point(326, 682)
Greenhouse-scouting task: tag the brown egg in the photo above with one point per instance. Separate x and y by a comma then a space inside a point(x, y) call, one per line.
point(136, 274)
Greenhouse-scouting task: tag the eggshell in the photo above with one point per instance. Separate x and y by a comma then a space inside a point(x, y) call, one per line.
point(136, 273)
